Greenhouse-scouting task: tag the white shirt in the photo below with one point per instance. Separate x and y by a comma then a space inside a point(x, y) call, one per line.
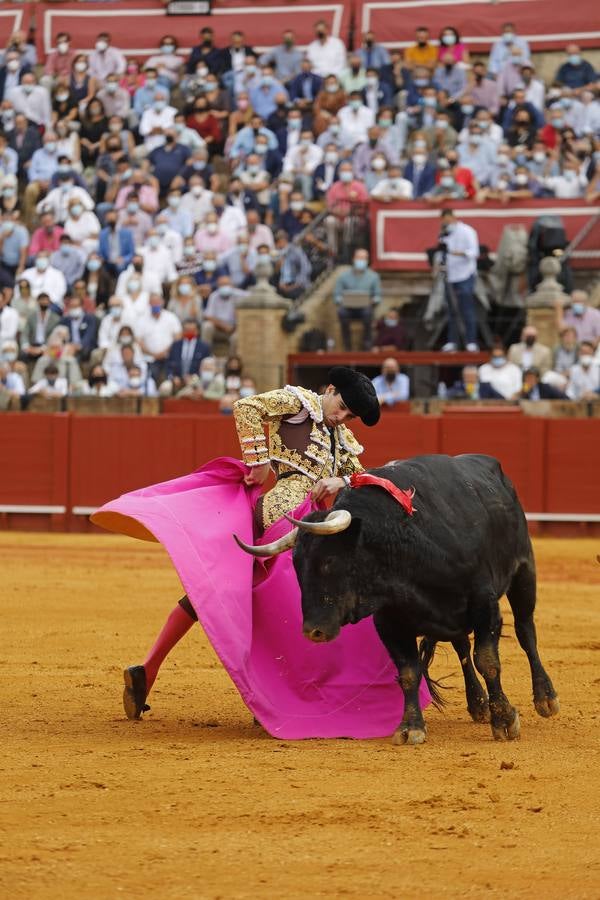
point(355, 124)
point(506, 379)
point(35, 105)
point(51, 282)
point(462, 239)
point(327, 58)
point(110, 327)
point(84, 230)
point(393, 189)
point(152, 119)
point(60, 387)
point(232, 220)
point(173, 241)
point(197, 207)
point(303, 159)
point(57, 202)
point(150, 281)
point(157, 333)
point(9, 324)
point(584, 118)
point(223, 308)
point(582, 381)
point(135, 309)
point(566, 188)
point(535, 93)
point(160, 261)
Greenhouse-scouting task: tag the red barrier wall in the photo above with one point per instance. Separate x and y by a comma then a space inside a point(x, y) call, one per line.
point(401, 232)
point(79, 461)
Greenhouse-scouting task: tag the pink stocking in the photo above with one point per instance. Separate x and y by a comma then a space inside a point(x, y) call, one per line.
point(177, 625)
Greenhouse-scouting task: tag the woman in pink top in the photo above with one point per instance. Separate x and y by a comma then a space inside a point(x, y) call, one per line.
point(450, 41)
point(133, 78)
point(209, 237)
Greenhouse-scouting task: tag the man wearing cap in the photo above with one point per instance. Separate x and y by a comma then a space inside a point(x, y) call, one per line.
point(312, 453)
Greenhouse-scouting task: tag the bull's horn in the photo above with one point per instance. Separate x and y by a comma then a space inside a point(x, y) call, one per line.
point(337, 520)
point(283, 543)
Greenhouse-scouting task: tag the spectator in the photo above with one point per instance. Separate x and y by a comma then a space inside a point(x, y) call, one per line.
point(159, 118)
point(205, 52)
point(483, 89)
point(330, 99)
point(392, 385)
point(263, 96)
point(168, 63)
point(69, 259)
point(12, 387)
point(462, 251)
point(52, 384)
point(354, 77)
point(9, 318)
point(535, 389)
point(157, 330)
point(56, 353)
point(570, 183)
point(115, 100)
point(292, 272)
point(344, 204)
point(449, 76)
point(82, 226)
point(14, 240)
point(239, 262)
point(420, 174)
point(97, 385)
point(584, 376)
point(567, 351)
point(116, 244)
point(304, 88)
point(580, 316)
point(471, 388)
point(185, 358)
point(45, 278)
point(38, 328)
point(529, 353)
point(111, 324)
point(422, 53)
point(210, 237)
point(506, 47)
point(373, 56)
point(389, 332)
point(32, 100)
point(576, 72)
point(326, 54)
point(355, 119)
point(59, 62)
point(105, 60)
point(505, 377)
point(363, 280)
point(286, 58)
point(220, 313)
point(392, 187)
point(450, 42)
point(185, 301)
point(82, 328)
point(302, 161)
point(135, 384)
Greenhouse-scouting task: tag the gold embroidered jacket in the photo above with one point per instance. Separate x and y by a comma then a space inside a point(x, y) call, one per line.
point(298, 439)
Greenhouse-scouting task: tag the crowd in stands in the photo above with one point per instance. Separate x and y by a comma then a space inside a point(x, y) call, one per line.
point(140, 202)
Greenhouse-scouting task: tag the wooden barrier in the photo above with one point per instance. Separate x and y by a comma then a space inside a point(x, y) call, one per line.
point(56, 469)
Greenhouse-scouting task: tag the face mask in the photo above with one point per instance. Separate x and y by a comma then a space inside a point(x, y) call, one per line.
point(384, 123)
point(295, 124)
point(63, 170)
point(441, 124)
point(12, 65)
point(360, 264)
point(355, 104)
point(94, 265)
point(126, 340)
point(266, 81)
point(114, 127)
point(570, 175)
point(174, 201)
point(421, 82)
point(578, 309)
point(467, 109)
point(51, 379)
point(502, 184)
point(115, 312)
point(484, 125)
point(498, 361)
point(475, 139)
point(420, 145)
point(153, 241)
point(372, 82)
point(159, 105)
point(448, 40)
point(111, 87)
point(8, 192)
point(508, 37)
point(209, 265)
point(43, 306)
point(206, 377)
point(539, 157)
point(28, 88)
point(133, 285)
point(132, 208)
point(447, 181)
point(575, 59)
point(76, 313)
point(378, 164)
point(233, 382)
point(247, 392)
point(41, 264)
point(297, 205)
point(189, 251)
point(529, 340)
point(212, 227)
point(185, 289)
point(390, 322)
point(331, 157)
point(419, 159)
point(243, 248)
point(81, 66)
point(8, 227)
point(253, 170)
point(9, 356)
point(135, 382)
point(225, 291)
point(199, 165)
point(346, 176)
point(101, 46)
point(168, 48)
point(522, 179)
point(151, 82)
point(305, 142)
point(76, 209)
point(566, 102)
point(162, 228)
point(558, 123)
point(50, 147)
point(331, 88)
point(62, 47)
point(429, 101)
point(156, 308)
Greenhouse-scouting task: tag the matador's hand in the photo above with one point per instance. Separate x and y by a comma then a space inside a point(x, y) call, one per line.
point(258, 474)
point(327, 487)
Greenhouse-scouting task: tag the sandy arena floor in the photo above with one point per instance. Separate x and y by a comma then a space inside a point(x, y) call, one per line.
point(196, 802)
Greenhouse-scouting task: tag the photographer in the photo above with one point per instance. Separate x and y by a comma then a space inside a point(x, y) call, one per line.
point(459, 245)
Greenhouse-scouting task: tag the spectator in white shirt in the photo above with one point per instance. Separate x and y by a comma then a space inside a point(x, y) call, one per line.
point(197, 202)
point(82, 226)
point(9, 318)
point(148, 280)
point(57, 201)
point(157, 331)
point(155, 121)
point(32, 100)
point(584, 376)
point(105, 60)
point(231, 219)
point(138, 385)
point(158, 258)
point(535, 89)
point(12, 387)
point(45, 279)
point(462, 251)
point(507, 46)
point(584, 116)
point(393, 187)
point(169, 238)
point(111, 323)
point(327, 54)
point(98, 384)
point(51, 385)
point(570, 184)
point(505, 377)
point(355, 120)
point(302, 161)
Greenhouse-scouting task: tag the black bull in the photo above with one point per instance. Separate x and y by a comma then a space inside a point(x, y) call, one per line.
point(439, 574)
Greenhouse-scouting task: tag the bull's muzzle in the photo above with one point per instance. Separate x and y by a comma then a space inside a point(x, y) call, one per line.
point(318, 634)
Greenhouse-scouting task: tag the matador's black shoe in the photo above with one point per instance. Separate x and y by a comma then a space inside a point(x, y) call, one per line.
point(135, 693)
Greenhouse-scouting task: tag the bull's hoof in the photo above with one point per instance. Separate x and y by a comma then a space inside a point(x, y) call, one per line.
point(480, 713)
point(405, 735)
point(547, 706)
point(502, 732)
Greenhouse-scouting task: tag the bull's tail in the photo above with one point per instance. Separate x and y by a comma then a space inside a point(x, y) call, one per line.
point(426, 654)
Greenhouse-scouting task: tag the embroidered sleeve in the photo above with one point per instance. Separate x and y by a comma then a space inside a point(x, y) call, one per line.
point(251, 414)
point(350, 450)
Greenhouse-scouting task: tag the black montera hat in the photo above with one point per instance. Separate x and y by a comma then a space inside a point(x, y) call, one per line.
point(357, 393)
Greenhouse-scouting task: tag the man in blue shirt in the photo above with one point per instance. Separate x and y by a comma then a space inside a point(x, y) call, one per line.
point(14, 240)
point(575, 72)
point(168, 160)
point(245, 139)
point(360, 278)
point(43, 165)
point(502, 49)
point(372, 55)
point(286, 59)
point(292, 268)
point(392, 386)
point(145, 96)
point(262, 97)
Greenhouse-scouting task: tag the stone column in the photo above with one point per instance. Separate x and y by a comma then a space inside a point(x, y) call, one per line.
point(261, 341)
point(541, 304)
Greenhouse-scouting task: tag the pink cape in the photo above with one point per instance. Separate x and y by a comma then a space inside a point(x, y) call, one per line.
point(251, 611)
